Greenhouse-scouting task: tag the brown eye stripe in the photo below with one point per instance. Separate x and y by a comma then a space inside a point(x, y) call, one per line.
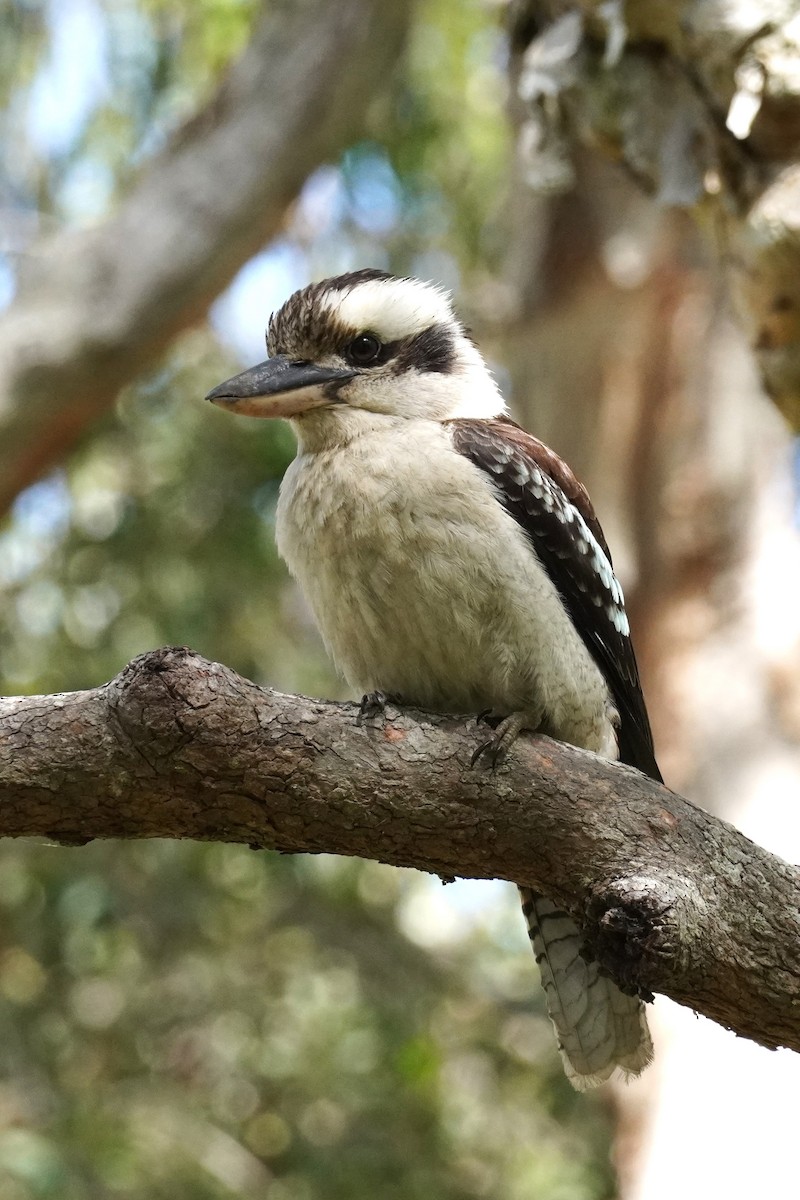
point(433, 350)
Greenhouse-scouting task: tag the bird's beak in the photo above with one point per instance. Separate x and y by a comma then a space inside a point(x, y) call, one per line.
point(280, 388)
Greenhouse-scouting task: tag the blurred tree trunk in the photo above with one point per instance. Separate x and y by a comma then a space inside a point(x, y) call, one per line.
point(624, 354)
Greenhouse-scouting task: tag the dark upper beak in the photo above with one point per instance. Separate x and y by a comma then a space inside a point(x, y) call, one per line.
point(280, 388)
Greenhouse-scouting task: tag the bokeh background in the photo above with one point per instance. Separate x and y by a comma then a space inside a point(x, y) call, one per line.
point(179, 1020)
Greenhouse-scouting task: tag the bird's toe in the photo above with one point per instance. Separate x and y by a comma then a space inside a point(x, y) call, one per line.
point(373, 704)
point(496, 749)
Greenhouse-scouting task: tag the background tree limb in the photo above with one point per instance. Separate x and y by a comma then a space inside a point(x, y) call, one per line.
point(95, 307)
point(672, 899)
point(700, 104)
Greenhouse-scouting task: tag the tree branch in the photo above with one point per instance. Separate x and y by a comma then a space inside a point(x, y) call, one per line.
point(97, 306)
point(672, 899)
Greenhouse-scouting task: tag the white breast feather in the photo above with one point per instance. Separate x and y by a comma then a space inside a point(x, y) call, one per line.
point(423, 585)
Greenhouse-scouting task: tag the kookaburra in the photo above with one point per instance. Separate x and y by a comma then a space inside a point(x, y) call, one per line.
point(453, 561)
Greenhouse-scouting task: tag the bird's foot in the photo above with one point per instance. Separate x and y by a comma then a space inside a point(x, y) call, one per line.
point(506, 731)
point(373, 705)
point(488, 716)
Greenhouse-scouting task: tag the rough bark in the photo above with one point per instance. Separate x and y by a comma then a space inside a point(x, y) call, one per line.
point(699, 102)
point(672, 899)
point(95, 307)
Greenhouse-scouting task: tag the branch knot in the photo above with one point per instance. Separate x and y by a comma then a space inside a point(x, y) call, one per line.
point(630, 930)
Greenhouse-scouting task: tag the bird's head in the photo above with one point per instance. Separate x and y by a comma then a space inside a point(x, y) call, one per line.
point(361, 349)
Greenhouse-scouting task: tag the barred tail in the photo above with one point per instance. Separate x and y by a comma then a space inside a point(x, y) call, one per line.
point(599, 1028)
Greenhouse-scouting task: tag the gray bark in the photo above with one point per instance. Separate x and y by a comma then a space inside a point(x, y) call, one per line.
point(699, 102)
point(671, 899)
point(96, 307)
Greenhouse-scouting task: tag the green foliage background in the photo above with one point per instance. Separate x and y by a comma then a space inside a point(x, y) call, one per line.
point(180, 1020)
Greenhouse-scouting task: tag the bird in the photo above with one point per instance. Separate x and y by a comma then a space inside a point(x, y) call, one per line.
point(455, 563)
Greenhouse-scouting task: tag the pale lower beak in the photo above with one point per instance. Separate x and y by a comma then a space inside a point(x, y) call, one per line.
point(280, 388)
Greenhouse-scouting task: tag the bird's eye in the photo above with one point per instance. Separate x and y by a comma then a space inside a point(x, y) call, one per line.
point(364, 350)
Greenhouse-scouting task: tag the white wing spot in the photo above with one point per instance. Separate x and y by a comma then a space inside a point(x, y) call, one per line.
point(618, 619)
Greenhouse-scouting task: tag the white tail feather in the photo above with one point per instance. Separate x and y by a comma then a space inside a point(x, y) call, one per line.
point(599, 1028)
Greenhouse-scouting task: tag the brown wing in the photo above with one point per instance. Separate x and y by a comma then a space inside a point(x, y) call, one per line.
point(541, 493)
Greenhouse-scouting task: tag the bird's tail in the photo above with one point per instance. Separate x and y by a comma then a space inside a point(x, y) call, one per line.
point(599, 1028)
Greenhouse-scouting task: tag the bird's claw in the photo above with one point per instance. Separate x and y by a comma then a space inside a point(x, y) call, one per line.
point(488, 716)
point(491, 751)
point(373, 704)
point(507, 730)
